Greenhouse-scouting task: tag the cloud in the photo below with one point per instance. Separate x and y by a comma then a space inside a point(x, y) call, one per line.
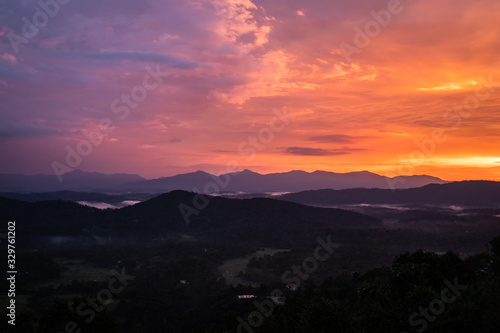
point(9, 57)
point(13, 131)
point(230, 63)
point(269, 76)
point(306, 151)
point(333, 138)
point(223, 151)
point(113, 57)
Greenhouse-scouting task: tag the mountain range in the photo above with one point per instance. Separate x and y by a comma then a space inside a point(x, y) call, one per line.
point(243, 181)
point(76, 180)
point(466, 193)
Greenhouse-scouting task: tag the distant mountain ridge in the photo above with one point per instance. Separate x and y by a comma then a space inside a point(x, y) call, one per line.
point(199, 181)
point(76, 180)
point(292, 181)
point(464, 193)
point(467, 193)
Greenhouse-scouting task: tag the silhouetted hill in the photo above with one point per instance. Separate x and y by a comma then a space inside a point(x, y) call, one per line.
point(261, 219)
point(468, 193)
point(47, 221)
point(253, 220)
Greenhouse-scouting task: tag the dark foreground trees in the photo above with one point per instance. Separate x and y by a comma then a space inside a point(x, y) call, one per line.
point(419, 292)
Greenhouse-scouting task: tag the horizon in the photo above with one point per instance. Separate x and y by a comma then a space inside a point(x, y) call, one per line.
point(308, 86)
point(239, 171)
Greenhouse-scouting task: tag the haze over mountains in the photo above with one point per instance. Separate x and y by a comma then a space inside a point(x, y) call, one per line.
point(319, 188)
point(243, 181)
point(76, 180)
point(223, 218)
point(456, 195)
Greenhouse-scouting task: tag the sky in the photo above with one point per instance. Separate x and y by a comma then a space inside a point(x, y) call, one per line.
point(161, 87)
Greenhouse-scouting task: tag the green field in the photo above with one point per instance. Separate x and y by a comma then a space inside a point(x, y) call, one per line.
point(79, 270)
point(72, 270)
point(232, 267)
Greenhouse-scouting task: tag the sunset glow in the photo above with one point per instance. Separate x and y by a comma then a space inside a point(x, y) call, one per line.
point(168, 87)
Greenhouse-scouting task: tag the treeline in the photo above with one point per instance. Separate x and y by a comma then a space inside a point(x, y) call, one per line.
point(174, 292)
point(421, 291)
